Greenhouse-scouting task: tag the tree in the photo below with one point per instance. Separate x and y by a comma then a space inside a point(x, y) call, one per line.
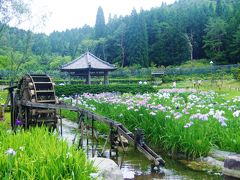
point(235, 47)
point(13, 10)
point(41, 45)
point(100, 24)
point(18, 59)
point(219, 8)
point(136, 42)
point(171, 48)
point(214, 39)
point(100, 49)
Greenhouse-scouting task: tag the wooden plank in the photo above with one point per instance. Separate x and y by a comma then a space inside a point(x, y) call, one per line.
point(42, 82)
point(49, 106)
point(45, 101)
point(45, 91)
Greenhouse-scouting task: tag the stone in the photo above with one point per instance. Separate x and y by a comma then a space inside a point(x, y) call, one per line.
point(206, 165)
point(232, 166)
point(220, 155)
point(107, 169)
point(123, 140)
point(212, 161)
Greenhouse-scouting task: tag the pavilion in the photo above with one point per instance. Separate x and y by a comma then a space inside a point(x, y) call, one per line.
point(88, 65)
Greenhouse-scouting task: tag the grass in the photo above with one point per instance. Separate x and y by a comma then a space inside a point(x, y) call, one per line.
point(226, 87)
point(175, 121)
point(39, 154)
point(3, 96)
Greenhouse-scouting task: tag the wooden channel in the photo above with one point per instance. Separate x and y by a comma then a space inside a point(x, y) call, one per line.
point(143, 148)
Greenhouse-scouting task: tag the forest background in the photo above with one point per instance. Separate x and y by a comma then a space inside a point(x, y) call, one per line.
point(168, 35)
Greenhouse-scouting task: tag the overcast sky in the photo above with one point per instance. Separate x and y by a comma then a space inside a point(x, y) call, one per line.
point(67, 14)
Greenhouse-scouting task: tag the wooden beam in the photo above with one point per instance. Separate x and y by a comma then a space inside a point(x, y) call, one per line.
point(106, 80)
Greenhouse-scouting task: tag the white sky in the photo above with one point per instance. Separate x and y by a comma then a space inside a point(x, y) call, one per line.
point(67, 14)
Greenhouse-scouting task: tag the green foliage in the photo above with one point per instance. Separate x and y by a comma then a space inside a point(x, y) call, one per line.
point(214, 38)
point(3, 96)
point(4, 61)
point(236, 73)
point(195, 63)
point(70, 115)
point(69, 90)
point(170, 43)
point(166, 35)
point(171, 131)
point(135, 42)
point(219, 8)
point(100, 24)
point(38, 154)
point(235, 46)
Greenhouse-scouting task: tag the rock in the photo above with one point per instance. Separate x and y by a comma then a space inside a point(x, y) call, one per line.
point(201, 165)
point(212, 161)
point(220, 155)
point(123, 140)
point(232, 166)
point(108, 169)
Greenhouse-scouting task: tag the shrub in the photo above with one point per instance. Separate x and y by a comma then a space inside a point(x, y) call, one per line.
point(97, 81)
point(69, 90)
point(236, 73)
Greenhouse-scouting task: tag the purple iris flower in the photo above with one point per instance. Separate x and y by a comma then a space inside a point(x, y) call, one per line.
point(18, 122)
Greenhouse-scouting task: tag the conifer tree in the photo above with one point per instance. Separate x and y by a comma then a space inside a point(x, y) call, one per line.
point(219, 8)
point(100, 24)
point(136, 43)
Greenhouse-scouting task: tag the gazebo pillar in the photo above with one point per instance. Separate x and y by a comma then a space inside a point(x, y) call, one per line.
point(106, 80)
point(88, 79)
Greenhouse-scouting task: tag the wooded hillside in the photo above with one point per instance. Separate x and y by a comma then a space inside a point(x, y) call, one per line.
point(165, 35)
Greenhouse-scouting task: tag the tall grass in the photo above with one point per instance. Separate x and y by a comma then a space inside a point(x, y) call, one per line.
point(38, 154)
point(3, 96)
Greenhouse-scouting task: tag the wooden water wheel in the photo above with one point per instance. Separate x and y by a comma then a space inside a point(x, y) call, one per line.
point(35, 88)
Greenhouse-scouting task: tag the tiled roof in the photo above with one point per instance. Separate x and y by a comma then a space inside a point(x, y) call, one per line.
point(88, 60)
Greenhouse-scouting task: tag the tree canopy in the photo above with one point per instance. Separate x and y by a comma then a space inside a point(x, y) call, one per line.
point(165, 35)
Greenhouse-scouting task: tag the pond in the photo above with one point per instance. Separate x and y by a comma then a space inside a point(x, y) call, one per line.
point(134, 165)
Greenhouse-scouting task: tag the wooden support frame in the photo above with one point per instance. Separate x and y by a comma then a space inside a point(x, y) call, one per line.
point(120, 129)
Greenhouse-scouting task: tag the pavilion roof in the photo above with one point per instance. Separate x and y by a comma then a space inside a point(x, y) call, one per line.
point(88, 61)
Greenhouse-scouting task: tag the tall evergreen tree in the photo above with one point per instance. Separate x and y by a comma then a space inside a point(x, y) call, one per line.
point(219, 8)
point(215, 38)
point(172, 46)
point(136, 41)
point(100, 24)
point(235, 47)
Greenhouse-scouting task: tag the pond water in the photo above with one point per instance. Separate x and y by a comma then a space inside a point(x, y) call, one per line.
point(134, 165)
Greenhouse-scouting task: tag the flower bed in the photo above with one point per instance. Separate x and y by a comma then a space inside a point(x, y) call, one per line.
point(178, 121)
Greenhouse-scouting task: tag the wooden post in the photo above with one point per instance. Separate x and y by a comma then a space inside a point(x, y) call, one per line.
point(88, 79)
point(12, 108)
point(61, 131)
point(106, 80)
point(92, 135)
point(1, 113)
point(81, 129)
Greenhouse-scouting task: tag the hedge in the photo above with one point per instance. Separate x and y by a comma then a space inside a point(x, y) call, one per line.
point(70, 90)
point(120, 81)
point(236, 73)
